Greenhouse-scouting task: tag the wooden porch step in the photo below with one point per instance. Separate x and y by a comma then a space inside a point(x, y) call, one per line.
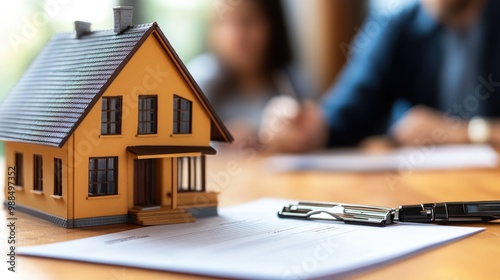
point(163, 216)
point(162, 211)
point(165, 222)
point(201, 205)
point(186, 216)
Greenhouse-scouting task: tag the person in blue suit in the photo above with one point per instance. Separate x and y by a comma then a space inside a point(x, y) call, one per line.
point(437, 59)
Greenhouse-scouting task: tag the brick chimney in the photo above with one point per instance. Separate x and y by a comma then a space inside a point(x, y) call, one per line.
point(123, 18)
point(82, 28)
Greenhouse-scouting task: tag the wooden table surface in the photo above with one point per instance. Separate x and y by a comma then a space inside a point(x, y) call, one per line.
point(242, 179)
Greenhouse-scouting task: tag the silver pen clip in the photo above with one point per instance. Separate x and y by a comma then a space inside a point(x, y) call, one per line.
point(348, 213)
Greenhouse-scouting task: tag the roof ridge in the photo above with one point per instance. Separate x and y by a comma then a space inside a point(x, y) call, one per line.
point(109, 29)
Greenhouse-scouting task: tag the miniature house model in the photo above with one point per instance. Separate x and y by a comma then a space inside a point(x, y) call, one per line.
point(108, 127)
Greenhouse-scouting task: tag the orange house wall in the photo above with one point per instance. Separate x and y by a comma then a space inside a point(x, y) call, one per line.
point(42, 201)
point(149, 72)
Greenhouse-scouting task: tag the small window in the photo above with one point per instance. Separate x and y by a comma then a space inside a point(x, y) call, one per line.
point(182, 115)
point(148, 114)
point(19, 169)
point(57, 176)
point(38, 173)
point(111, 116)
point(191, 174)
point(103, 174)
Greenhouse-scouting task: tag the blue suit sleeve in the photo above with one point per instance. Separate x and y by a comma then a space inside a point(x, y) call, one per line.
point(361, 98)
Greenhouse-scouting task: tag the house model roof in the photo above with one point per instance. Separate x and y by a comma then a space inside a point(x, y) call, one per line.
point(69, 76)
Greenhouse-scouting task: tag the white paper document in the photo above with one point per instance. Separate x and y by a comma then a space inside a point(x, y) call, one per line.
point(250, 241)
point(403, 159)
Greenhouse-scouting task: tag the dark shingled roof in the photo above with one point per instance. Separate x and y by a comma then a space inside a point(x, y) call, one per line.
point(68, 77)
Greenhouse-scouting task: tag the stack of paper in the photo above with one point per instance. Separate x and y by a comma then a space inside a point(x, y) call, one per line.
point(404, 159)
point(250, 241)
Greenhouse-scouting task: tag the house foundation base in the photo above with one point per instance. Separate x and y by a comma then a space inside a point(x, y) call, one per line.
point(106, 220)
point(72, 223)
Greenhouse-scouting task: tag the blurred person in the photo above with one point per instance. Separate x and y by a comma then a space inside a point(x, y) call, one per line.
point(249, 62)
point(441, 57)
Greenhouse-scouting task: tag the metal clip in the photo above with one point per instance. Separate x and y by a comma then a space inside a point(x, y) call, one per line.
point(348, 213)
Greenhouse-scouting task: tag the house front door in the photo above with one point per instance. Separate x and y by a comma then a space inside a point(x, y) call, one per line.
point(144, 183)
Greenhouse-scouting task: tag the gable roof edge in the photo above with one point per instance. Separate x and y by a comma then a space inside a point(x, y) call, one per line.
point(225, 135)
point(109, 82)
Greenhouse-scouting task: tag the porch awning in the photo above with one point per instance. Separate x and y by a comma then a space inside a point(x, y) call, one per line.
point(165, 151)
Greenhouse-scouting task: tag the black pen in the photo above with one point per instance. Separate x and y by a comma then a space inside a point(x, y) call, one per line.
point(442, 212)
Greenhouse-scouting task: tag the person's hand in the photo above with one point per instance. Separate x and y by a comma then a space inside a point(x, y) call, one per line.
point(422, 124)
point(290, 127)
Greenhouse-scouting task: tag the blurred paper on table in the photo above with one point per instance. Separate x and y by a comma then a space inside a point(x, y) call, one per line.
point(415, 158)
point(249, 241)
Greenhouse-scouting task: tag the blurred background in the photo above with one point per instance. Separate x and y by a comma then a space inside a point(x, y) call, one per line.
point(320, 31)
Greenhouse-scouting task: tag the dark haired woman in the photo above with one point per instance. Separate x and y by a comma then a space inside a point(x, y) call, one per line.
point(249, 63)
